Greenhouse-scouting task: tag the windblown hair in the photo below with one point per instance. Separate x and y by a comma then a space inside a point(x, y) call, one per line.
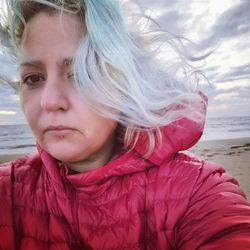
point(120, 67)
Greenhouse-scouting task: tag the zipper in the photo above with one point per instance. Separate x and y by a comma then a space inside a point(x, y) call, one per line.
point(76, 226)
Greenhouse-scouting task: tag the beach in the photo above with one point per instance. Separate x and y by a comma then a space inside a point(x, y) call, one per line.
point(231, 154)
point(10, 157)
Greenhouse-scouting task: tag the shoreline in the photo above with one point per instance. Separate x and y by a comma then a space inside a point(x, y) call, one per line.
point(221, 142)
point(11, 157)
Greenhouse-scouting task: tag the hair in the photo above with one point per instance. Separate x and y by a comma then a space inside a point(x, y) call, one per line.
point(121, 68)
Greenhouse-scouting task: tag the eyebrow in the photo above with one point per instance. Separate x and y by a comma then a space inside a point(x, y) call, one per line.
point(65, 62)
point(30, 63)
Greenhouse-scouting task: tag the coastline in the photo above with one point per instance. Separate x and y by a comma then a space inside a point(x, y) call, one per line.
point(11, 157)
point(232, 154)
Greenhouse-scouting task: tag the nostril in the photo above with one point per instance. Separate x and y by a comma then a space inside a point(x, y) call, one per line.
point(54, 99)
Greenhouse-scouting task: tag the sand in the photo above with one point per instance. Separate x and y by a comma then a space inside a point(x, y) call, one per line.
point(232, 154)
point(9, 157)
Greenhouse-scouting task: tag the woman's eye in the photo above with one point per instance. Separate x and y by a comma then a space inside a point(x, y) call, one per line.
point(32, 80)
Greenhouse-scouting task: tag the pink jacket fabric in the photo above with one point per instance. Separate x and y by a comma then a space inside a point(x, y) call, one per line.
point(170, 201)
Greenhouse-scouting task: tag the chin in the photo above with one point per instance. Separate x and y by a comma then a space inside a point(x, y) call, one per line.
point(65, 153)
point(65, 157)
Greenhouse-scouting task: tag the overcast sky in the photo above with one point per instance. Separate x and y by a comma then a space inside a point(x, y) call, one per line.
point(224, 25)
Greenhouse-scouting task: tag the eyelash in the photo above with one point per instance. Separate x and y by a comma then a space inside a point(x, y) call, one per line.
point(26, 78)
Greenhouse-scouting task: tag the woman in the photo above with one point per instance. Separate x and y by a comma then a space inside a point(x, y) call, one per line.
point(108, 173)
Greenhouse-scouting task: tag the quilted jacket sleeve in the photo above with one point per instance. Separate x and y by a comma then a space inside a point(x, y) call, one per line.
point(218, 214)
point(6, 216)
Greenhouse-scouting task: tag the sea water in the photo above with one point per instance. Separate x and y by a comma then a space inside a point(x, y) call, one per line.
point(227, 128)
point(18, 139)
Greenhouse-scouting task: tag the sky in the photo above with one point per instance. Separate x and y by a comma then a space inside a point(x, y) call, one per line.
point(222, 26)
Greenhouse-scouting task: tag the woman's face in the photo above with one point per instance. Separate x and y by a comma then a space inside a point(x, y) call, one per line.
point(59, 117)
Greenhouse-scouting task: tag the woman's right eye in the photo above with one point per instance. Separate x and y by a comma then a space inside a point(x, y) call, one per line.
point(32, 80)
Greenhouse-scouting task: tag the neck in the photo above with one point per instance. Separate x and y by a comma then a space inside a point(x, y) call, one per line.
point(95, 160)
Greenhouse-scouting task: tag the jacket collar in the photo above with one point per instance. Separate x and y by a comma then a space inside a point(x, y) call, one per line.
point(96, 181)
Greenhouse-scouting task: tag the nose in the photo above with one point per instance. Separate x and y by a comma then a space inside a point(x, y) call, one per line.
point(54, 96)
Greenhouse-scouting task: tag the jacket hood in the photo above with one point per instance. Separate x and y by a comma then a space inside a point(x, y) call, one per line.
point(177, 136)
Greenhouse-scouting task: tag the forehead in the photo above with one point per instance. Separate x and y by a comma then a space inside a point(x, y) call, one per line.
point(47, 35)
point(63, 24)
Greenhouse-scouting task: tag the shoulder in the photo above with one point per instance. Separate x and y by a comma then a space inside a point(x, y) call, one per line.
point(206, 177)
point(18, 168)
point(209, 196)
point(197, 184)
point(183, 174)
point(7, 167)
point(10, 172)
point(195, 175)
point(30, 160)
point(15, 175)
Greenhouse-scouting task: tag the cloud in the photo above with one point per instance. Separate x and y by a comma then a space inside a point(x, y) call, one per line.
point(232, 23)
point(8, 98)
point(234, 93)
point(10, 111)
point(236, 73)
point(158, 4)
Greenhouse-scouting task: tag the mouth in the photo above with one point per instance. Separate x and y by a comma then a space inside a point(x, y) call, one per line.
point(59, 131)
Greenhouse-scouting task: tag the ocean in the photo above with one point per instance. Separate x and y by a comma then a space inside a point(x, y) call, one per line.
point(18, 139)
point(220, 128)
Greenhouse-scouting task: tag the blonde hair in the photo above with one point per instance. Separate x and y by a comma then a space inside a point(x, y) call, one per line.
point(120, 68)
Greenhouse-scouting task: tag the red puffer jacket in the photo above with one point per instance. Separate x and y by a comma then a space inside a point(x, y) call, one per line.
point(170, 201)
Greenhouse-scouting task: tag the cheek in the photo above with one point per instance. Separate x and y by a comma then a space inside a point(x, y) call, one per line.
point(96, 128)
point(103, 129)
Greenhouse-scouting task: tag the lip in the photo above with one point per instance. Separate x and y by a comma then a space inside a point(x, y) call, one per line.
point(59, 130)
